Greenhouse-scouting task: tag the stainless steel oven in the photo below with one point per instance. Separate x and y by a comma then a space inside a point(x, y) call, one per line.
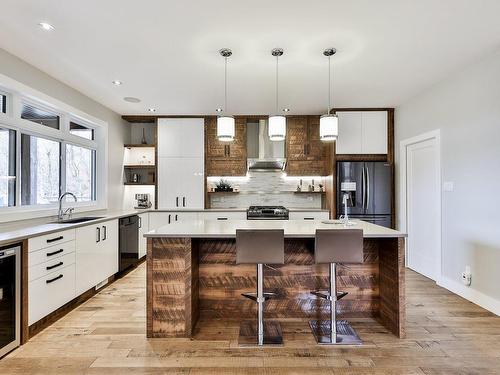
point(10, 298)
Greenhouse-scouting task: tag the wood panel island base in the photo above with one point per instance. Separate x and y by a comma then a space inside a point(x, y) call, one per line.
point(192, 272)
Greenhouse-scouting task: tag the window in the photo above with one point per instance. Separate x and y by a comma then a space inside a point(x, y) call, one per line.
point(40, 170)
point(80, 172)
point(40, 116)
point(81, 130)
point(3, 103)
point(7, 167)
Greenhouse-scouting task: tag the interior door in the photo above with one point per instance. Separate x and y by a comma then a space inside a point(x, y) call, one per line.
point(423, 207)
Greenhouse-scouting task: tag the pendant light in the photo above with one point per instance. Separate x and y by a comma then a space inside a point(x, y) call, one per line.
point(329, 123)
point(225, 123)
point(277, 122)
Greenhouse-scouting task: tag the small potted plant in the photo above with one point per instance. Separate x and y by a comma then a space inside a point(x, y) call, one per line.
point(223, 186)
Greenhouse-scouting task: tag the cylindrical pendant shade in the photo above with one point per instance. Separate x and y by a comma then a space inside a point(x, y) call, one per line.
point(328, 127)
point(225, 128)
point(277, 128)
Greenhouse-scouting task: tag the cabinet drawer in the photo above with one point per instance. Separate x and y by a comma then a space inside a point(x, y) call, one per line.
point(50, 253)
point(50, 292)
point(312, 215)
point(50, 266)
point(223, 215)
point(41, 242)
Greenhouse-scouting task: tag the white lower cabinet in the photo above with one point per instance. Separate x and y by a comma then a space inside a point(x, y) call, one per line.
point(48, 293)
point(143, 228)
point(159, 219)
point(309, 215)
point(96, 254)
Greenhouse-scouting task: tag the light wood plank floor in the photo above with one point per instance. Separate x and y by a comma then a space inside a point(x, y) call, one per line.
point(106, 335)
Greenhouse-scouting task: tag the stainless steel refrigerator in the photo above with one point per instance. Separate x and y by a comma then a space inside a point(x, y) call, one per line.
point(368, 188)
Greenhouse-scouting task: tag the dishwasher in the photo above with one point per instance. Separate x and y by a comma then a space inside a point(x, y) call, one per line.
point(128, 241)
point(10, 298)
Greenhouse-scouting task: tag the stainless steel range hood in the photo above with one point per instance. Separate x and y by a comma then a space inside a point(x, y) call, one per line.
point(263, 154)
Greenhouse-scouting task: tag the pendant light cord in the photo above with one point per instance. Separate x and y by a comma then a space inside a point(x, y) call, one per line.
point(329, 84)
point(225, 84)
point(277, 57)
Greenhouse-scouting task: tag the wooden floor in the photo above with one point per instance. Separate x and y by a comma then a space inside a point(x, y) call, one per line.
point(106, 335)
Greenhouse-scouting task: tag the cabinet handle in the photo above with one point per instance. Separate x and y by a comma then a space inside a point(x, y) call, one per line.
point(140, 222)
point(54, 279)
point(176, 217)
point(169, 218)
point(105, 234)
point(228, 150)
point(222, 218)
point(308, 218)
point(183, 201)
point(55, 252)
point(98, 234)
point(305, 149)
point(54, 266)
point(176, 201)
point(55, 239)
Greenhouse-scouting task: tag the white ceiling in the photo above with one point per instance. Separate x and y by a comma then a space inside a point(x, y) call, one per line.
point(166, 51)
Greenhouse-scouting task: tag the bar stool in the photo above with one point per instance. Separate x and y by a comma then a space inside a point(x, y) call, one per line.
point(262, 246)
point(334, 246)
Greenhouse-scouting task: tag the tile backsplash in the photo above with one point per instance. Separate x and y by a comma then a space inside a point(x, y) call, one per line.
point(267, 188)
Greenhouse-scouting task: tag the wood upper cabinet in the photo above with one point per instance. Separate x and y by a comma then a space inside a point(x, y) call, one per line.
point(225, 158)
point(306, 154)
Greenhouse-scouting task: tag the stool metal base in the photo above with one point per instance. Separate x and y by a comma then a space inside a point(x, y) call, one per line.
point(346, 335)
point(249, 334)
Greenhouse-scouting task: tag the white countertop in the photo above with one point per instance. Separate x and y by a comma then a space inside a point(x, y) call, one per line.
point(292, 228)
point(19, 230)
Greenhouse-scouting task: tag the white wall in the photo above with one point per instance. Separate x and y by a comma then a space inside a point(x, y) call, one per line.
point(466, 107)
point(118, 130)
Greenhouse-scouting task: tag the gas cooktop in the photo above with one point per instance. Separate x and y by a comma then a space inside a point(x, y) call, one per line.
point(267, 213)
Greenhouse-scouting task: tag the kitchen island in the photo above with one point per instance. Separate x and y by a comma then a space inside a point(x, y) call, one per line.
point(192, 272)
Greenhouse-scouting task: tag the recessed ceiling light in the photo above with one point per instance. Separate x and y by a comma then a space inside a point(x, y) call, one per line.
point(131, 99)
point(152, 109)
point(218, 110)
point(117, 82)
point(46, 26)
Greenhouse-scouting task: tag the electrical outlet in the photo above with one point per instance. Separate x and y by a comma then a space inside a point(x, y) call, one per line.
point(467, 276)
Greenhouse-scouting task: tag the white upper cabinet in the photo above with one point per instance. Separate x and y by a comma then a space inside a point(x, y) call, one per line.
point(349, 140)
point(181, 163)
point(374, 132)
point(181, 137)
point(362, 132)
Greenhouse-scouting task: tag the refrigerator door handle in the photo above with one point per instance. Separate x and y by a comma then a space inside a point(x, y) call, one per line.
point(367, 188)
point(363, 187)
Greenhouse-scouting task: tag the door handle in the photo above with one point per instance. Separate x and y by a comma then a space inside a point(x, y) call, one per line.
point(367, 188)
point(169, 218)
point(176, 217)
point(55, 239)
point(98, 233)
point(55, 252)
point(54, 266)
point(176, 201)
point(183, 201)
point(105, 234)
point(54, 279)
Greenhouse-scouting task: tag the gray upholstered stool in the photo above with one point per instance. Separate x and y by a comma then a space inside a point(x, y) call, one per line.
point(334, 246)
point(264, 246)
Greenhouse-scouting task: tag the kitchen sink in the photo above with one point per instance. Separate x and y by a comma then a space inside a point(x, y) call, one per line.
point(77, 220)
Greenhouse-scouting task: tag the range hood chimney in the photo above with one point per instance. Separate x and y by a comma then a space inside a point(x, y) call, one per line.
point(264, 154)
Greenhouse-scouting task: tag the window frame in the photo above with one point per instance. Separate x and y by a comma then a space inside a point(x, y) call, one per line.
point(17, 94)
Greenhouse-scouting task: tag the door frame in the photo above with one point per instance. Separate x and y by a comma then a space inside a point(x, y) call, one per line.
point(403, 193)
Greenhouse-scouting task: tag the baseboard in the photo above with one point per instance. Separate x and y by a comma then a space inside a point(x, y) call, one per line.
point(472, 295)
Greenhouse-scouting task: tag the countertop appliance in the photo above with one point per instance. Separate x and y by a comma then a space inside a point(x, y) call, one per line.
point(267, 213)
point(10, 298)
point(143, 201)
point(128, 241)
point(368, 186)
point(262, 153)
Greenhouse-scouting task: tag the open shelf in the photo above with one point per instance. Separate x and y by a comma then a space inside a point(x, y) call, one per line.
point(223, 192)
point(140, 166)
point(140, 183)
point(309, 192)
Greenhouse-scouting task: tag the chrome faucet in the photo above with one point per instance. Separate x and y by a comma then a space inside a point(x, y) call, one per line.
point(60, 214)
